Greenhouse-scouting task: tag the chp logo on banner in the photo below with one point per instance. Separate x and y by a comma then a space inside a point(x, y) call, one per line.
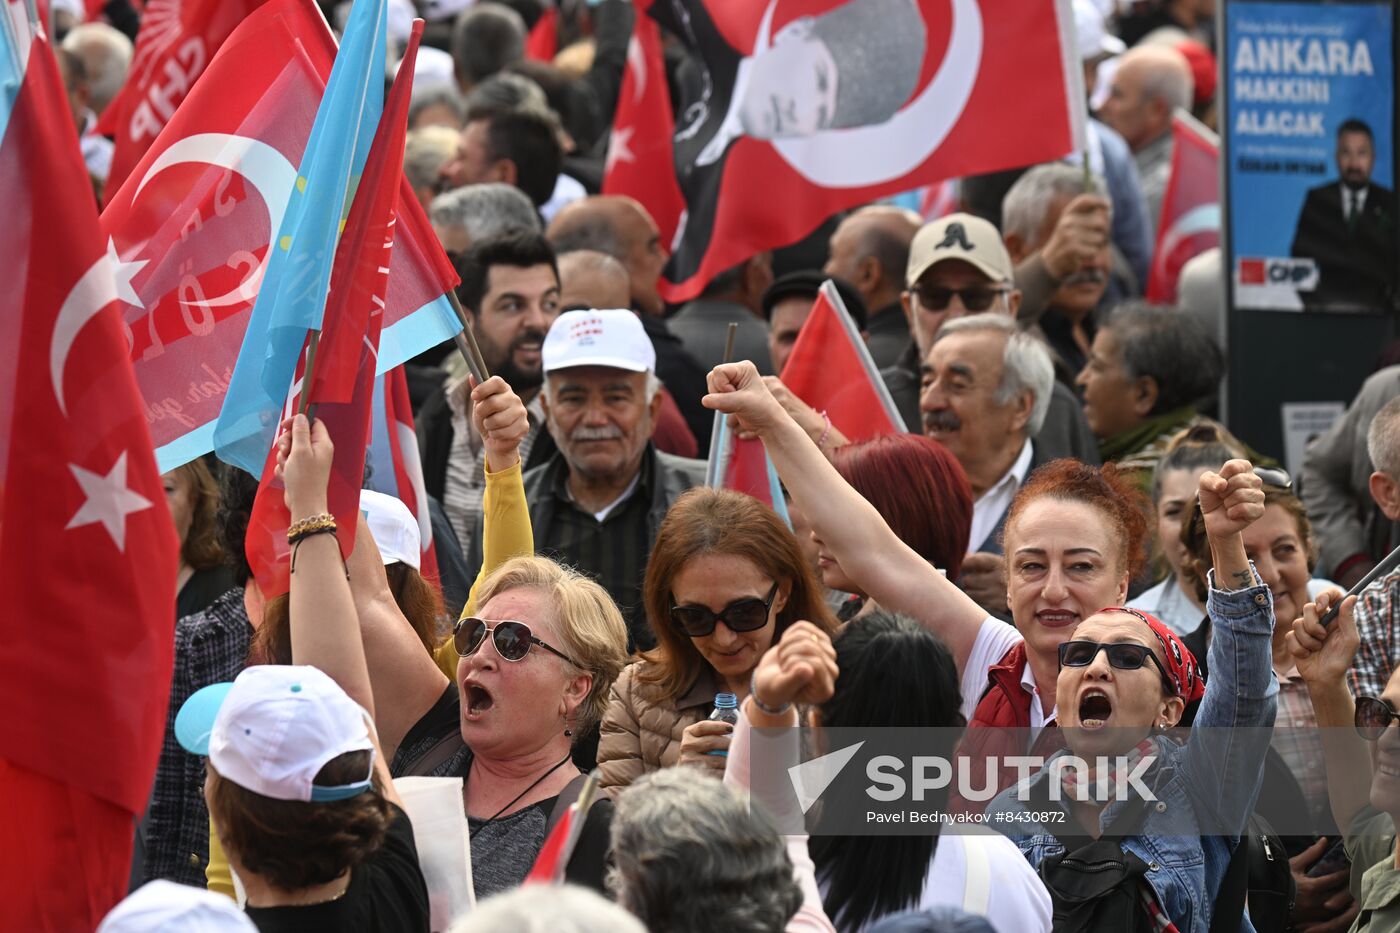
point(1190, 222)
point(176, 42)
point(202, 207)
point(811, 106)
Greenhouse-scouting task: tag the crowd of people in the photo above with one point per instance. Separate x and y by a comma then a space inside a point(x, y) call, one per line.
point(1067, 556)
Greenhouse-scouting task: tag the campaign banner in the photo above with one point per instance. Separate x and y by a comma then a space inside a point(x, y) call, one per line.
point(1310, 156)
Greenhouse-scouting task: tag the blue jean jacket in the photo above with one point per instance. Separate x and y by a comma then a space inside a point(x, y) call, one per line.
point(1211, 780)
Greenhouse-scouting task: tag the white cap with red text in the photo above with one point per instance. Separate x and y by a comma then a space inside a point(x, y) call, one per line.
point(615, 339)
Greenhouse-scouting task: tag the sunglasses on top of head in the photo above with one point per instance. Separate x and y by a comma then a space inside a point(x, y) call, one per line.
point(512, 639)
point(1122, 656)
point(742, 615)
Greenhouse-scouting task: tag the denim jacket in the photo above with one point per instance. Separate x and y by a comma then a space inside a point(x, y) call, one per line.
point(1213, 778)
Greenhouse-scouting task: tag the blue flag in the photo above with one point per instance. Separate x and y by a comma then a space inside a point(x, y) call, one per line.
point(292, 296)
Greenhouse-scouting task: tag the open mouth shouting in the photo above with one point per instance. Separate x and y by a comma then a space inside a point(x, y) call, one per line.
point(1095, 708)
point(476, 700)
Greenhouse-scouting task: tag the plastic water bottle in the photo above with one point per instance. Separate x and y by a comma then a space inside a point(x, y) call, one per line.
point(726, 710)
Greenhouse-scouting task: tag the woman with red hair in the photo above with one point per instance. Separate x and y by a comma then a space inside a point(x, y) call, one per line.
point(921, 492)
point(1074, 537)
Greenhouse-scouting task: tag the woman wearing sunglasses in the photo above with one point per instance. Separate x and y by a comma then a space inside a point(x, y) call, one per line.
point(725, 580)
point(1124, 679)
point(1363, 758)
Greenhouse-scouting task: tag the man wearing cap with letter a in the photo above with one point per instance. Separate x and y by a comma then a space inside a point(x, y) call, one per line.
point(302, 802)
point(598, 504)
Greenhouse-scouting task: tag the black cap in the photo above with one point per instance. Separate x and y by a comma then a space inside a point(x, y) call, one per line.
point(805, 283)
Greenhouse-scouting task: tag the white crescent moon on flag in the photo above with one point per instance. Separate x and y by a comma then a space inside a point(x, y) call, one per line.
point(871, 155)
point(261, 166)
point(104, 282)
point(1202, 219)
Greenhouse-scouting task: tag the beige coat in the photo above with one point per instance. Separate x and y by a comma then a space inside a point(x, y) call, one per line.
point(642, 729)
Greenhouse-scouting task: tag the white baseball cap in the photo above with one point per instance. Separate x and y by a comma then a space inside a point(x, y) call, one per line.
point(175, 908)
point(959, 236)
point(274, 728)
point(393, 527)
point(1093, 39)
point(615, 339)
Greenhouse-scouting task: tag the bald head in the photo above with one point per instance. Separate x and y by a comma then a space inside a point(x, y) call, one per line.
point(590, 279)
point(106, 57)
point(1151, 82)
point(870, 249)
point(621, 228)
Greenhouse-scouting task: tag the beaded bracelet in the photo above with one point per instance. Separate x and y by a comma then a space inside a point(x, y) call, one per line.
point(821, 441)
point(316, 523)
point(763, 707)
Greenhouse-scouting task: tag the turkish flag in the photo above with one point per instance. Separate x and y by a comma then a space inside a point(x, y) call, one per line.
point(639, 158)
point(812, 106)
point(831, 370)
point(395, 467)
point(342, 357)
point(202, 205)
point(88, 553)
point(1190, 222)
point(176, 41)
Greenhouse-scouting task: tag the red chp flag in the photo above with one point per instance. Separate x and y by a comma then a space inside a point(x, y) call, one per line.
point(831, 370)
point(808, 107)
point(342, 356)
point(1190, 222)
point(201, 207)
point(639, 158)
point(88, 553)
point(176, 42)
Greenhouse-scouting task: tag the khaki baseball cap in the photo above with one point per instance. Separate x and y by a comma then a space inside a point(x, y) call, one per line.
point(959, 236)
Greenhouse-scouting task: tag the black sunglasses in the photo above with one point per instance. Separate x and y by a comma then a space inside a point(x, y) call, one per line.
point(742, 615)
point(512, 639)
point(1373, 717)
point(1122, 656)
point(937, 297)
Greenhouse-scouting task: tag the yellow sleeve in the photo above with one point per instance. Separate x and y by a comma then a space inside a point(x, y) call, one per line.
point(220, 879)
point(506, 534)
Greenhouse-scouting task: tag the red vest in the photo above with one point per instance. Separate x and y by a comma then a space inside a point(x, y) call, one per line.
point(1000, 728)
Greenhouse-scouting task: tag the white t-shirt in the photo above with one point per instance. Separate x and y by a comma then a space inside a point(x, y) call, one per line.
point(984, 873)
point(994, 639)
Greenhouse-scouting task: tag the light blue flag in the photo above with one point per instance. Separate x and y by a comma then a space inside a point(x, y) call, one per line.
point(292, 296)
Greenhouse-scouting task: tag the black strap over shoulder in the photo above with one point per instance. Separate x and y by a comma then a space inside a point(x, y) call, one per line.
point(566, 798)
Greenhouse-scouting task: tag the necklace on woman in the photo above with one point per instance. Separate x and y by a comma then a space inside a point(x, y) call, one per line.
point(536, 783)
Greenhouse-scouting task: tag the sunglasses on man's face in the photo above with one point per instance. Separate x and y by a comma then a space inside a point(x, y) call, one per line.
point(1122, 656)
point(1373, 717)
point(512, 639)
point(742, 615)
point(937, 297)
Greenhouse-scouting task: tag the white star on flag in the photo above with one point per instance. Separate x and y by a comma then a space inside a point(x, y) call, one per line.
point(109, 501)
point(618, 148)
point(123, 273)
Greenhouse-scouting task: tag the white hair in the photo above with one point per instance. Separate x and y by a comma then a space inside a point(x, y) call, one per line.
point(485, 211)
point(1026, 205)
point(554, 909)
point(426, 150)
point(1025, 363)
point(1383, 439)
point(106, 57)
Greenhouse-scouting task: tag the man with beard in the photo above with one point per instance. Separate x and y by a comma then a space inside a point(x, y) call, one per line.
point(1349, 228)
point(1030, 213)
point(510, 289)
point(598, 503)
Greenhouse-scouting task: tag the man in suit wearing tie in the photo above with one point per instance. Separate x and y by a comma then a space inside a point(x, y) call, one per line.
point(1348, 227)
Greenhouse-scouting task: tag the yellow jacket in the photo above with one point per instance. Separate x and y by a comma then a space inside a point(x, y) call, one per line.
point(507, 534)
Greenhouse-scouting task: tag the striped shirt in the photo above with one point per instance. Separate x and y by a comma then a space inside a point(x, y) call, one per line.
point(464, 485)
point(613, 551)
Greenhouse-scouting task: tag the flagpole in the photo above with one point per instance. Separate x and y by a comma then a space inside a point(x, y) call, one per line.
point(715, 463)
point(308, 377)
point(466, 341)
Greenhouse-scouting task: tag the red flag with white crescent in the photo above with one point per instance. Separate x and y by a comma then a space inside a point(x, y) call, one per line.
point(639, 158)
point(807, 107)
point(88, 552)
point(176, 42)
point(1190, 222)
point(202, 206)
